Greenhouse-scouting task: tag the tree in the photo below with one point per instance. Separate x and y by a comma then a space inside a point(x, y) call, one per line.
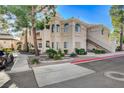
point(117, 16)
point(21, 23)
point(3, 24)
point(49, 11)
point(27, 16)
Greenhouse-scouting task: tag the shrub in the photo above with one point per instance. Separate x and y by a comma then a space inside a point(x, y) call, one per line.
point(32, 51)
point(77, 50)
point(34, 61)
point(93, 50)
point(57, 57)
point(55, 54)
point(103, 51)
point(80, 51)
point(73, 55)
point(7, 50)
point(65, 51)
point(96, 51)
point(60, 52)
point(118, 48)
point(51, 53)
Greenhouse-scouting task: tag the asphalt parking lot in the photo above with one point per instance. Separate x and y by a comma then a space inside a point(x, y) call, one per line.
point(98, 79)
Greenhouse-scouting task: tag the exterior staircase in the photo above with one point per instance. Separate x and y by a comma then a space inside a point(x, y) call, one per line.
point(109, 47)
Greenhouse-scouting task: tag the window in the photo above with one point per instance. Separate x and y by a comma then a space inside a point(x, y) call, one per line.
point(65, 44)
point(53, 27)
point(66, 27)
point(40, 45)
point(52, 44)
point(47, 43)
point(77, 28)
point(57, 27)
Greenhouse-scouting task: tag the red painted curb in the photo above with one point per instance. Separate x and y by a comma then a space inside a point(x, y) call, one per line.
point(95, 59)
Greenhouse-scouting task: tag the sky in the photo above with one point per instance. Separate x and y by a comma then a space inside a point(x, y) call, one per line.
point(92, 14)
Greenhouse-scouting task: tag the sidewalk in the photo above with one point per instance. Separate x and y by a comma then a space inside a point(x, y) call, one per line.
point(20, 64)
point(97, 57)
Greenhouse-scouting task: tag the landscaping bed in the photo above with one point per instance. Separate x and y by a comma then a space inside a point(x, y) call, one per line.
point(52, 56)
point(45, 60)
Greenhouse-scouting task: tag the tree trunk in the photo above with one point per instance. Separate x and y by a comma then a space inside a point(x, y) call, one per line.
point(26, 41)
point(34, 32)
point(121, 39)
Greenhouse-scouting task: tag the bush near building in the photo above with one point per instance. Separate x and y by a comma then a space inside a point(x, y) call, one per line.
point(53, 54)
point(60, 52)
point(73, 54)
point(97, 51)
point(65, 51)
point(34, 61)
point(118, 48)
point(80, 51)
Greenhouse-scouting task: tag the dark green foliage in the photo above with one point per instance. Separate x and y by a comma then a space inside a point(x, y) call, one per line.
point(96, 51)
point(77, 50)
point(73, 55)
point(34, 61)
point(47, 26)
point(57, 57)
point(118, 48)
point(80, 51)
point(66, 51)
point(51, 53)
point(39, 25)
point(60, 52)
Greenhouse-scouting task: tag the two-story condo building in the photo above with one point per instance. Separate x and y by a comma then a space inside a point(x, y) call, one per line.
point(73, 33)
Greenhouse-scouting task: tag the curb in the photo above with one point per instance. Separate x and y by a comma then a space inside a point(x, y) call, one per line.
point(95, 59)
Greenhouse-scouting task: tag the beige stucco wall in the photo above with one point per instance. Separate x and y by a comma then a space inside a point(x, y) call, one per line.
point(6, 43)
point(74, 39)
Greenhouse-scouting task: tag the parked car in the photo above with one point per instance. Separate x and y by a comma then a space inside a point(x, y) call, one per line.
point(5, 59)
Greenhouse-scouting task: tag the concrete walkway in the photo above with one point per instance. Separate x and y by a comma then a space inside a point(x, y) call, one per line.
point(20, 64)
point(51, 74)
